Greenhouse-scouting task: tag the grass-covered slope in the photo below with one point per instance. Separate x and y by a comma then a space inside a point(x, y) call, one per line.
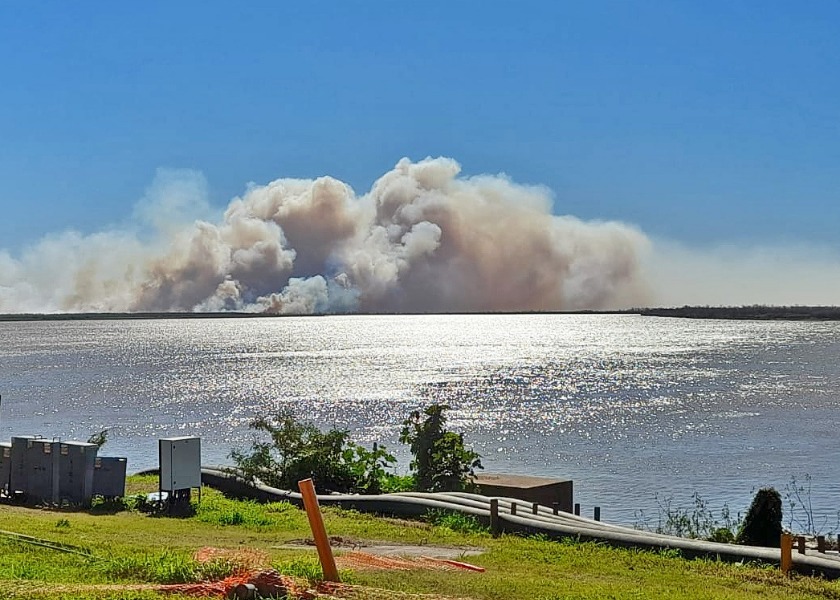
point(132, 547)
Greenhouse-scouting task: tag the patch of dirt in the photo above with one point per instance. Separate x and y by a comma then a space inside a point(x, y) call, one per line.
point(365, 561)
point(379, 548)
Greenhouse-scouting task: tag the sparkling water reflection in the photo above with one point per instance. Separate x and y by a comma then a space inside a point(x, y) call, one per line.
point(626, 406)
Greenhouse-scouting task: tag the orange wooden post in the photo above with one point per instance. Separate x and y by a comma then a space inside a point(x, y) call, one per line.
point(787, 548)
point(319, 532)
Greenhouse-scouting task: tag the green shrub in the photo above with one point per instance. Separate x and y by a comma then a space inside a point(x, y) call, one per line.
point(722, 535)
point(763, 524)
point(441, 462)
point(299, 451)
point(392, 484)
point(99, 438)
point(109, 506)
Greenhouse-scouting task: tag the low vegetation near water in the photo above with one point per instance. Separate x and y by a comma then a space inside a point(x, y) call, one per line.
point(133, 547)
point(441, 462)
point(295, 450)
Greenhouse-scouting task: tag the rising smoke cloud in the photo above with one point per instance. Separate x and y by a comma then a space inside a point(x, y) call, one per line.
point(424, 239)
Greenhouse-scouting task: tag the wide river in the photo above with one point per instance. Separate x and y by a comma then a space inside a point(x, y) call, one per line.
point(629, 407)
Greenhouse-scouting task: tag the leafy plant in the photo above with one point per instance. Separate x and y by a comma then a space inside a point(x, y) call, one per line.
point(102, 506)
point(299, 451)
point(397, 483)
point(99, 438)
point(441, 462)
point(763, 524)
point(368, 467)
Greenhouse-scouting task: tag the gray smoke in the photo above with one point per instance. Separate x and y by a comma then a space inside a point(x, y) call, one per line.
point(422, 240)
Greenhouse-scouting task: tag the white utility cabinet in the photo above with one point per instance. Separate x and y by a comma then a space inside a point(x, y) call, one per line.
point(180, 463)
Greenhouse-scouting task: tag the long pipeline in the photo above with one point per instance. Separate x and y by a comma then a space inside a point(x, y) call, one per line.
point(545, 522)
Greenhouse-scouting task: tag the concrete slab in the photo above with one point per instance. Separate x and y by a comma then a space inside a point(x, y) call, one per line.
point(542, 490)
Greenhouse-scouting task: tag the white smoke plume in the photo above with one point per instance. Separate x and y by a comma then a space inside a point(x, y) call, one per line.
point(422, 240)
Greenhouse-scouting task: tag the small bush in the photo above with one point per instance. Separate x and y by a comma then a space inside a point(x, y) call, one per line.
point(441, 461)
point(763, 524)
point(109, 506)
point(141, 503)
point(722, 535)
point(299, 451)
point(99, 438)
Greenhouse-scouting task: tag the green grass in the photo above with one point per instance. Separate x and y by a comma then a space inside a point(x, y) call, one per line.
point(133, 547)
point(455, 521)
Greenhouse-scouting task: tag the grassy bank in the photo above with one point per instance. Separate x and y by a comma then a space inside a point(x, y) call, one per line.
point(135, 548)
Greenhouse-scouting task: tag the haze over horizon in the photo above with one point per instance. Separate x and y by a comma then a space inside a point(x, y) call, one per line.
point(206, 157)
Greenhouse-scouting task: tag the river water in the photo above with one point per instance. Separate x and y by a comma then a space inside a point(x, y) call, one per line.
point(631, 408)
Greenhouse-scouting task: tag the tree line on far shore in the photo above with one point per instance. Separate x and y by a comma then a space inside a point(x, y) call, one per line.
point(755, 312)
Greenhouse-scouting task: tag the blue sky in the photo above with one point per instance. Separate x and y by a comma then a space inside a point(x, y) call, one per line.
point(700, 122)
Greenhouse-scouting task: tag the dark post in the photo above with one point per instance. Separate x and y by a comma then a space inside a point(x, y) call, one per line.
point(494, 517)
point(513, 508)
point(597, 513)
point(577, 509)
point(536, 508)
point(821, 544)
point(800, 544)
point(555, 507)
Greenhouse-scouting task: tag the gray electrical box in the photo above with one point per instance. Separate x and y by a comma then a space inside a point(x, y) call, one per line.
point(51, 471)
point(42, 470)
point(18, 472)
point(109, 476)
point(75, 467)
point(5, 465)
point(180, 463)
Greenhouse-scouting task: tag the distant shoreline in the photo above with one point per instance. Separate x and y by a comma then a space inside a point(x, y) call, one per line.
point(753, 313)
point(748, 313)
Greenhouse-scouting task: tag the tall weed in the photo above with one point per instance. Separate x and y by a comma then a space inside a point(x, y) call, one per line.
point(697, 521)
